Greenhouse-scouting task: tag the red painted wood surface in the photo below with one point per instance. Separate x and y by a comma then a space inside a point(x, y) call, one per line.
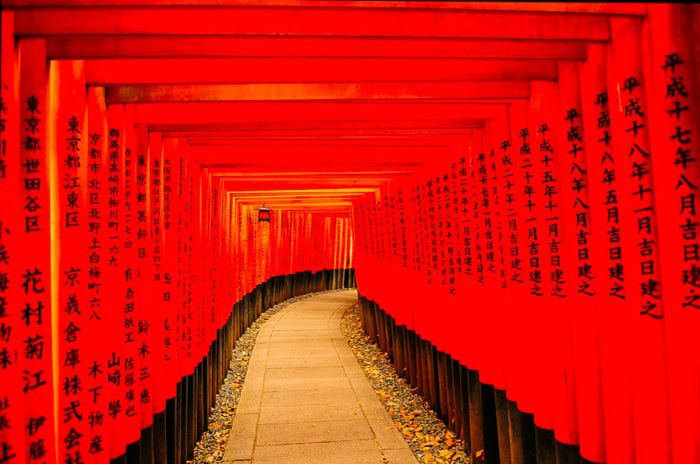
point(527, 170)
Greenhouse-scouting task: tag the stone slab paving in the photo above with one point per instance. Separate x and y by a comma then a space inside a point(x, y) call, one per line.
point(305, 398)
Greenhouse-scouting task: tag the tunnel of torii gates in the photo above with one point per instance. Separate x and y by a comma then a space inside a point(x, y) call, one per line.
point(511, 186)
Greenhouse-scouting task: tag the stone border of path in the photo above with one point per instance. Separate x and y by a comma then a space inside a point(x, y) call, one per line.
point(267, 428)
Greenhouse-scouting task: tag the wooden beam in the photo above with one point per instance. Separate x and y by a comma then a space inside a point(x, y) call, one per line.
point(302, 192)
point(307, 175)
point(205, 113)
point(632, 9)
point(309, 155)
point(318, 207)
point(279, 166)
point(291, 201)
point(87, 47)
point(329, 20)
point(327, 91)
point(233, 181)
point(275, 187)
point(327, 145)
point(327, 134)
point(289, 70)
point(282, 202)
point(296, 197)
point(310, 126)
point(330, 143)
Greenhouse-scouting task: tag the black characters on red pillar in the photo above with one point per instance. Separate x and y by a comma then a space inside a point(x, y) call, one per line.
point(567, 210)
point(433, 254)
point(686, 186)
point(80, 303)
point(12, 435)
point(464, 221)
point(581, 259)
point(638, 175)
point(153, 371)
point(456, 234)
point(510, 212)
point(465, 224)
point(96, 261)
point(445, 255)
point(533, 238)
point(488, 276)
point(478, 217)
point(31, 270)
point(551, 204)
point(403, 246)
point(103, 261)
point(609, 179)
point(121, 364)
point(169, 273)
point(453, 250)
point(139, 319)
point(515, 251)
point(530, 211)
point(485, 199)
point(124, 225)
point(497, 199)
point(578, 180)
point(672, 106)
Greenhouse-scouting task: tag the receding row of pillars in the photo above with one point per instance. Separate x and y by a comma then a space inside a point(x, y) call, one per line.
point(492, 427)
point(175, 432)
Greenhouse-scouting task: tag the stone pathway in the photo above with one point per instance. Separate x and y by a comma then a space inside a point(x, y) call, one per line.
point(305, 398)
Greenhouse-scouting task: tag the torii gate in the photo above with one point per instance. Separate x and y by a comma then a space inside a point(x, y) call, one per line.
point(528, 169)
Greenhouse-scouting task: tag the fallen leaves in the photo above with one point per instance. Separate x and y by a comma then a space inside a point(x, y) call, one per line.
point(426, 435)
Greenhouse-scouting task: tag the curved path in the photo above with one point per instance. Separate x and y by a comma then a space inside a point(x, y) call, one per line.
point(305, 398)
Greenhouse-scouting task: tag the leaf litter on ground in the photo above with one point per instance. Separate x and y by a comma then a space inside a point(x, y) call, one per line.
point(426, 434)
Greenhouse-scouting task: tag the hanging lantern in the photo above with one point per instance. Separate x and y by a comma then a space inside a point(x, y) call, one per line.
point(263, 214)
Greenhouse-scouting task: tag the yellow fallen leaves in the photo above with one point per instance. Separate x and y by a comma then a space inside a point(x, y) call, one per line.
point(444, 457)
point(382, 394)
point(425, 434)
point(410, 415)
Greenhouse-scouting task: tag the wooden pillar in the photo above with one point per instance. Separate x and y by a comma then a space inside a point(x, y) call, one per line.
point(501, 408)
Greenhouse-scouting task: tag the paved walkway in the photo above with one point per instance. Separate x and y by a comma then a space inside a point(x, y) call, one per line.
point(305, 398)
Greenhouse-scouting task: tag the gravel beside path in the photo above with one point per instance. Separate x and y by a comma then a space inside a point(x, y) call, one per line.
point(427, 436)
point(211, 445)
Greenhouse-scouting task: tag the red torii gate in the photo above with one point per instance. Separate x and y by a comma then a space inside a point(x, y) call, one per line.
point(523, 164)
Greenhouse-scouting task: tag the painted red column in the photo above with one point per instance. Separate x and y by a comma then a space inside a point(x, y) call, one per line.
point(640, 247)
point(123, 364)
point(170, 282)
point(607, 231)
point(515, 294)
point(585, 269)
point(13, 437)
point(671, 61)
point(33, 266)
point(79, 299)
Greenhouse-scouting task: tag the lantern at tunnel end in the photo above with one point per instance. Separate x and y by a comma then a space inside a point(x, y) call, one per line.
point(263, 214)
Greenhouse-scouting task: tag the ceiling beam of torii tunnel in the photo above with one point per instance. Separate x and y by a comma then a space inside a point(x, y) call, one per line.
point(345, 91)
point(327, 20)
point(134, 46)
